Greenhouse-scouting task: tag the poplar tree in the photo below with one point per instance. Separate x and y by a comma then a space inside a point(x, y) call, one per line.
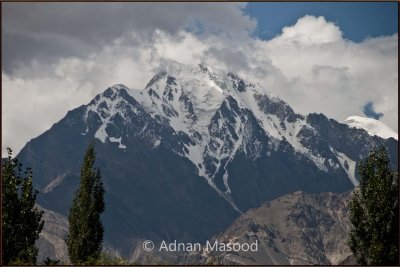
point(374, 213)
point(85, 237)
point(21, 220)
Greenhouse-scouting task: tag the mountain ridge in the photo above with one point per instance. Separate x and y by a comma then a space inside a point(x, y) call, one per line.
point(195, 140)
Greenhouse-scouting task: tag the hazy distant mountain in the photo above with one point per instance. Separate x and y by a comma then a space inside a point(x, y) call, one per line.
point(185, 156)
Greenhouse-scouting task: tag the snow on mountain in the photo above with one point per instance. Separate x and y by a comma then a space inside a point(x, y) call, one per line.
point(189, 96)
point(348, 165)
point(217, 113)
point(107, 106)
point(194, 139)
point(204, 89)
point(372, 126)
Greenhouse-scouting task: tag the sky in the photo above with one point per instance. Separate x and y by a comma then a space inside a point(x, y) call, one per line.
point(340, 59)
point(357, 21)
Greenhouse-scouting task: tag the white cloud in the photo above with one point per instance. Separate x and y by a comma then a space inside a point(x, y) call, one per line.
point(339, 78)
point(47, 31)
point(184, 48)
point(310, 30)
point(31, 106)
point(309, 65)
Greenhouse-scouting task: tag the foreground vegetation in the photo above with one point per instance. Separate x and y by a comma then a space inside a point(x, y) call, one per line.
point(21, 221)
point(85, 237)
point(374, 216)
point(374, 213)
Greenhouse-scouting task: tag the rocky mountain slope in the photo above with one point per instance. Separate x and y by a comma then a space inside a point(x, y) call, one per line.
point(298, 228)
point(185, 156)
point(51, 242)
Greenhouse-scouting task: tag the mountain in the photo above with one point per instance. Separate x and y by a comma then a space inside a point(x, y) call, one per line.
point(184, 157)
point(372, 126)
point(296, 229)
point(51, 242)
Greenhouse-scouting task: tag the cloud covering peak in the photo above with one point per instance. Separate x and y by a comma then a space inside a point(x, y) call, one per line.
point(310, 65)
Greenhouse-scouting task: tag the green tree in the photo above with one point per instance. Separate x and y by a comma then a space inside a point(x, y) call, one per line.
point(374, 212)
point(85, 235)
point(21, 220)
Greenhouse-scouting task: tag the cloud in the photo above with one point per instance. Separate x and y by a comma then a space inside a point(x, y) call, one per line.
point(47, 31)
point(310, 30)
point(338, 78)
point(31, 106)
point(309, 65)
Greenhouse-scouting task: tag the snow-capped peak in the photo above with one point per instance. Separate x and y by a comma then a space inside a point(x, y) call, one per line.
point(372, 126)
point(221, 115)
point(188, 96)
point(107, 106)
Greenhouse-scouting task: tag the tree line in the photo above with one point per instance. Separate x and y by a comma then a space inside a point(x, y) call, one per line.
point(22, 220)
point(374, 214)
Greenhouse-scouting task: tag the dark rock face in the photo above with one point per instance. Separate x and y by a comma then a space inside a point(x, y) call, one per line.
point(157, 188)
point(151, 192)
point(279, 108)
point(238, 83)
point(353, 142)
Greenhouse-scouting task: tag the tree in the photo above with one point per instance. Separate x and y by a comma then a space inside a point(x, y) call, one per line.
point(374, 212)
point(21, 220)
point(85, 237)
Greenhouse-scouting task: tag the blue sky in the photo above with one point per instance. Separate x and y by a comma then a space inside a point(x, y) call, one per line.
point(357, 20)
point(369, 111)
